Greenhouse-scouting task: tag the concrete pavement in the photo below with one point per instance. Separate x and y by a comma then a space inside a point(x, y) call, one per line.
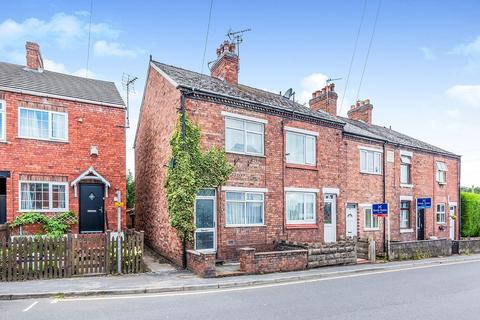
point(172, 280)
point(428, 291)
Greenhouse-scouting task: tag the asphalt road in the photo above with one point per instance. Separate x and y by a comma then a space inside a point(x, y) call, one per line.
point(447, 291)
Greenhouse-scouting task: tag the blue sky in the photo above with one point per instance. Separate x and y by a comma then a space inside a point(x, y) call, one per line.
point(422, 75)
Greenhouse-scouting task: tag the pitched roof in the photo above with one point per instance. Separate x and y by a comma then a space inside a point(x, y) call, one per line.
point(47, 83)
point(372, 131)
point(191, 79)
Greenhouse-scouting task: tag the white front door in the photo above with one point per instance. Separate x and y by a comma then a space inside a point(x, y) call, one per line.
point(330, 218)
point(205, 220)
point(351, 220)
point(452, 222)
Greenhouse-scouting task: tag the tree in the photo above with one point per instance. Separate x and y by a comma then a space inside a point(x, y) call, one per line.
point(130, 190)
point(190, 169)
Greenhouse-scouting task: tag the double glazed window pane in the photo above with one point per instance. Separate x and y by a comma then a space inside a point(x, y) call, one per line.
point(300, 207)
point(2, 125)
point(34, 124)
point(58, 197)
point(59, 126)
point(404, 214)
point(243, 136)
point(34, 196)
point(405, 173)
point(371, 221)
point(300, 148)
point(244, 208)
point(370, 161)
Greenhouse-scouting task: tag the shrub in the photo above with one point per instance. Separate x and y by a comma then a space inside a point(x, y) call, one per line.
point(470, 214)
point(54, 226)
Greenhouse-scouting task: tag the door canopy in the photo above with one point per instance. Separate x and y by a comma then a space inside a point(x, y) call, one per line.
point(90, 174)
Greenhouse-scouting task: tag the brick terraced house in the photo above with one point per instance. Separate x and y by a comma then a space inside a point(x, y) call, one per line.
point(301, 173)
point(62, 144)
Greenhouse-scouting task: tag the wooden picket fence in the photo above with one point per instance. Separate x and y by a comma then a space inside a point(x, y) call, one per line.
point(41, 257)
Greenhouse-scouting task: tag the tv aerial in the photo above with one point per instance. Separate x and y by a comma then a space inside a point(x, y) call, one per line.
point(237, 37)
point(128, 83)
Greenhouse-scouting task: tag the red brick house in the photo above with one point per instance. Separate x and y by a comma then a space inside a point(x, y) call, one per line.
point(62, 144)
point(301, 173)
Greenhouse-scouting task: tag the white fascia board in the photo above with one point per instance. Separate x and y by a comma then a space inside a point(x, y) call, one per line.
point(303, 131)
point(243, 117)
point(331, 191)
point(370, 149)
point(295, 189)
point(244, 189)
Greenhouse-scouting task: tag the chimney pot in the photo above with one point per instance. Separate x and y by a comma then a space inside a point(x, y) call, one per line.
point(325, 100)
point(361, 111)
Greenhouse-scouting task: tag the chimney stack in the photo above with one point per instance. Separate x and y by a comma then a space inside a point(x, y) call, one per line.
point(226, 65)
point(325, 99)
point(34, 57)
point(361, 111)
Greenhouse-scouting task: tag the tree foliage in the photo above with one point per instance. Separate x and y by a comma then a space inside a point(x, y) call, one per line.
point(191, 169)
point(470, 214)
point(130, 190)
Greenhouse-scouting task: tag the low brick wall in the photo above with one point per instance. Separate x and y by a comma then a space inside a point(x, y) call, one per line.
point(202, 264)
point(327, 254)
point(467, 246)
point(252, 262)
point(420, 249)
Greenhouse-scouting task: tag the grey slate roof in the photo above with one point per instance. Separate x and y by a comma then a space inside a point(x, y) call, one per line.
point(191, 79)
point(18, 78)
point(381, 133)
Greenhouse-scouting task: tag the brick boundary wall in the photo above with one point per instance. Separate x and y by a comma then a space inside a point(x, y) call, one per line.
point(202, 264)
point(466, 246)
point(252, 262)
point(327, 254)
point(420, 249)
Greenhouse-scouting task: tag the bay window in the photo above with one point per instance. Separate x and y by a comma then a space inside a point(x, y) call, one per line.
point(244, 136)
point(244, 208)
point(300, 207)
point(42, 124)
point(370, 161)
point(44, 196)
point(301, 148)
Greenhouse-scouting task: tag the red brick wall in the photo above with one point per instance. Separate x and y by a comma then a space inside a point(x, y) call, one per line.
point(202, 264)
point(152, 153)
point(274, 261)
point(88, 125)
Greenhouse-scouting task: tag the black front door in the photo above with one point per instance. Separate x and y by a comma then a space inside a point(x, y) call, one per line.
point(92, 217)
point(3, 200)
point(421, 224)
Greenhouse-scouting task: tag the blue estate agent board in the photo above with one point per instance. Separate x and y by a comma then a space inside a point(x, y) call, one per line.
point(380, 209)
point(424, 203)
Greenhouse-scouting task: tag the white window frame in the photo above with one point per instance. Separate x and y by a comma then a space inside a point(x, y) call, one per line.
point(374, 217)
point(304, 135)
point(441, 172)
point(3, 111)
point(408, 164)
point(304, 221)
point(374, 153)
point(402, 220)
point(50, 121)
point(245, 120)
point(440, 213)
point(245, 207)
point(50, 196)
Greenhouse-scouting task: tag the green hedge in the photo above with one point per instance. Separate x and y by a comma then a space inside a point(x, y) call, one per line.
point(470, 214)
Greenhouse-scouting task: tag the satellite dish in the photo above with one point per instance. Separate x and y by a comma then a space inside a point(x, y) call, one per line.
point(289, 93)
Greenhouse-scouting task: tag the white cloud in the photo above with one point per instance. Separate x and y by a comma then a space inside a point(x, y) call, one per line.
point(113, 49)
point(467, 94)
point(469, 48)
point(311, 83)
point(427, 53)
point(53, 66)
point(82, 72)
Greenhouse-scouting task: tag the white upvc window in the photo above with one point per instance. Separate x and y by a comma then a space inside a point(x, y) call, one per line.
point(370, 161)
point(244, 209)
point(405, 214)
point(244, 136)
point(441, 213)
point(405, 169)
point(301, 148)
point(301, 208)
point(442, 172)
point(3, 121)
point(43, 196)
point(371, 220)
point(42, 124)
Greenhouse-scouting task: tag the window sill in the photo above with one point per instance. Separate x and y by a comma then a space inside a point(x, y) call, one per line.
point(406, 230)
point(3, 141)
point(245, 225)
point(405, 185)
point(371, 173)
point(44, 211)
point(46, 140)
point(441, 223)
point(442, 183)
point(246, 154)
point(301, 166)
point(371, 229)
point(301, 226)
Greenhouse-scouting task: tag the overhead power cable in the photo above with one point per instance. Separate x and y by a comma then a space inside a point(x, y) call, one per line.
point(369, 48)
point(206, 37)
point(353, 54)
